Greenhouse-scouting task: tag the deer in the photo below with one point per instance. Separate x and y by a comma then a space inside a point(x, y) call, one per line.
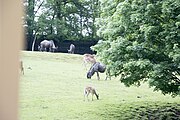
point(89, 90)
point(71, 49)
point(88, 58)
point(21, 67)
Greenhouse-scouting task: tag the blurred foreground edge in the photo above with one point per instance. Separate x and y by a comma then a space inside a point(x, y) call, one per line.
point(11, 36)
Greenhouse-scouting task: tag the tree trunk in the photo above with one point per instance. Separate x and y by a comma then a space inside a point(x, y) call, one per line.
point(34, 42)
point(30, 13)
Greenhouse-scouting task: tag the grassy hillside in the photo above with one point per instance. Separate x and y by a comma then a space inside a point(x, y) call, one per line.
point(52, 89)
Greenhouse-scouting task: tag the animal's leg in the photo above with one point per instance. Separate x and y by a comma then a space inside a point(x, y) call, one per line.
point(98, 75)
point(87, 96)
point(106, 77)
point(84, 96)
point(108, 74)
point(85, 64)
point(92, 97)
point(22, 70)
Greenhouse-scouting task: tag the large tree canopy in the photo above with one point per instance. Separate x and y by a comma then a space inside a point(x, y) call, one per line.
point(141, 40)
point(60, 20)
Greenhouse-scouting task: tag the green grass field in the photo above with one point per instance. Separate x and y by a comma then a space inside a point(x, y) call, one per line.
point(53, 85)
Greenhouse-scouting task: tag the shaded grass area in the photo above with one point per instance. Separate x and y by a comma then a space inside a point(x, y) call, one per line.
point(52, 89)
point(142, 111)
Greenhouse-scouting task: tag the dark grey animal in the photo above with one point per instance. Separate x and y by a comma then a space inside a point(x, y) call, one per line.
point(71, 49)
point(46, 45)
point(96, 67)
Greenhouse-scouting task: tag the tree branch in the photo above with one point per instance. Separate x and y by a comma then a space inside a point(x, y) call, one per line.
point(34, 38)
point(39, 7)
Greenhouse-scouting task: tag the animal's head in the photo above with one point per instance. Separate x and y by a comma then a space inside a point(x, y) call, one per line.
point(68, 51)
point(89, 75)
point(54, 48)
point(90, 72)
point(97, 96)
point(40, 48)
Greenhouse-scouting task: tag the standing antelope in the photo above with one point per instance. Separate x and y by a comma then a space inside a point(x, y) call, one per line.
point(21, 67)
point(88, 58)
point(91, 90)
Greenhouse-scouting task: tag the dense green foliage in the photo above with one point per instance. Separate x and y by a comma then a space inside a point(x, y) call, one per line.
point(53, 84)
point(60, 20)
point(140, 38)
point(141, 42)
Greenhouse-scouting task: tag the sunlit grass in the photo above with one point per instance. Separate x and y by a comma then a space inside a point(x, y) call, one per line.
point(52, 89)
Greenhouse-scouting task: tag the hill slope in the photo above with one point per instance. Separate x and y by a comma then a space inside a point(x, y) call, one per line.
point(52, 89)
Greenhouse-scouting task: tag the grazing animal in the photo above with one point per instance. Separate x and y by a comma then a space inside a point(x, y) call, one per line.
point(96, 67)
point(21, 67)
point(88, 58)
point(46, 45)
point(54, 48)
point(71, 49)
point(108, 74)
point(91, 90)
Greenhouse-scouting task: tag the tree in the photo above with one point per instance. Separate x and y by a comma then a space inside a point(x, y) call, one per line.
point(60, 20)
point(141, 41)
point(32, 8)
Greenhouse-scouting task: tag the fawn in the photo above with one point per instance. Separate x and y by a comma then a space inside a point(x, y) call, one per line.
point(91, 90)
